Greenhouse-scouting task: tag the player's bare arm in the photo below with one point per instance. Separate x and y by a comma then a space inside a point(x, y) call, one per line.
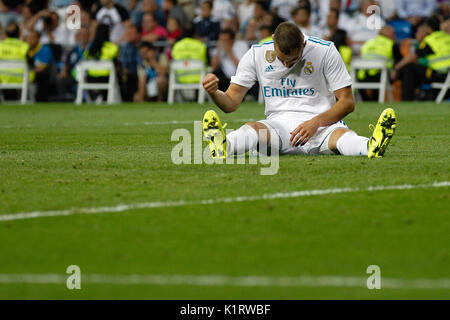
point(345, 104)
point(229, 100)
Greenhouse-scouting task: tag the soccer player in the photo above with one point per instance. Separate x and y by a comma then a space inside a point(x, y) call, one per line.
point(307, 93)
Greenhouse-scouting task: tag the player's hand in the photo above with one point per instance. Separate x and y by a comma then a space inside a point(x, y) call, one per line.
point(211, 83)
point(304, 132)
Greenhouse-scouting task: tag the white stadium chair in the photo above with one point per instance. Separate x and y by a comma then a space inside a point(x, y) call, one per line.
point(369, 64)
point(444, 86)
point(112, 86)
point(186, 65)
point(24, 86)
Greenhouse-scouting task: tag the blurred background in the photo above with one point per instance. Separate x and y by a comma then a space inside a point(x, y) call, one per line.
point(143, 38)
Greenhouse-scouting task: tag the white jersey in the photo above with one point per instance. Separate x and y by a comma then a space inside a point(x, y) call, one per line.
point(306, 89)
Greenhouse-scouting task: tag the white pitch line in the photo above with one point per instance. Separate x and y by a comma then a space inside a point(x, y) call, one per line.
point(180, 203)
point(222, 280)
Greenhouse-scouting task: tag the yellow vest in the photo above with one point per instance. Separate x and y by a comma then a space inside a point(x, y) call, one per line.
point(189, 49)
point(109, 52)
point(346, 54)
point(379, 47)
point(266, 39)
point(439, 42)
point(12, 49)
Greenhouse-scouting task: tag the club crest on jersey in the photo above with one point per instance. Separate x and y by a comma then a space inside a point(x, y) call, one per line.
point(309, 69)
point(270, 56)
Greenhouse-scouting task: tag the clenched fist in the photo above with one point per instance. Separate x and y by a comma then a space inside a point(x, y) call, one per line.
point(211, 83)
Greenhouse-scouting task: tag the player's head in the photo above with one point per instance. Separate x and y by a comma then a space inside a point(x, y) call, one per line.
point(289, 43)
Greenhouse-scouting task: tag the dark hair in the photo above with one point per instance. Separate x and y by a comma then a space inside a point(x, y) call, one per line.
point(336, 12)
point(228, 31)
point(209, 3)
point(101, 36)
point(263, 4)
point(134, 26)
point(266, 27)
point(306, 8)
point(296, 10)
point(433, 23)
point(12, 30)
point(288, 37)
point(146, 44)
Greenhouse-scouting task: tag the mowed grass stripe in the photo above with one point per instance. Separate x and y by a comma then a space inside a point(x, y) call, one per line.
point(179, 203)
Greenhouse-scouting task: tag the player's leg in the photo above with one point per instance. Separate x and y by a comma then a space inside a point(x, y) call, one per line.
point(250, 136)
point(348, 143)
point(247, 138)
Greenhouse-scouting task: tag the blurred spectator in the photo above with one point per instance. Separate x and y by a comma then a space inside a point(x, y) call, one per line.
point(358, 28)
point(382, 47)
point(152, 75)
point(188, 7)
point(429, 63)
point(388, 9)
point(170, 8)
point(41, 58)
point(11, 48)
point(302, 18)
point(415, 10)
point(224, 11)
point(333, 32)
point(261, 16)
point(344, 18)
point(205, 28)
point(129, 59)
point(245, 12)
point(115, 16)
point(174, 30)
point(151, 30)
point(90, 6)
point(68, 76)
point(26, 16)
point(226, 57)
point(134, 9)
point(283, 8)
point(47, 23)
point(152, 7)
point(101, 49)
point(265, 32)
point(189, 48)
point(37, 5)
point(445, 26)
point(60, 3)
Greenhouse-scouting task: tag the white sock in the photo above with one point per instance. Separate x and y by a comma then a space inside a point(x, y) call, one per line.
point(242, 140)
point(350, 144)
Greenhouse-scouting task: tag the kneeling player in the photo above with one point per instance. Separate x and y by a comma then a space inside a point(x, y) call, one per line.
point(307, 93)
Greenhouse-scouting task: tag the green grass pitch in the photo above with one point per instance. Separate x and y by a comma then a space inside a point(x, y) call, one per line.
point(62, 156)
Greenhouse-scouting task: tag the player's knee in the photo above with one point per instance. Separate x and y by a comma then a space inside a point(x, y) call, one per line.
point(262, 131)
point(335, 136)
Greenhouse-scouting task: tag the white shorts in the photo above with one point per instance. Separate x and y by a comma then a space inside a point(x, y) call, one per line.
point(284, 124)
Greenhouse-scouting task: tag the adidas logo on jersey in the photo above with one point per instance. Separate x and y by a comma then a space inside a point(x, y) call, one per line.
point(269, 68)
